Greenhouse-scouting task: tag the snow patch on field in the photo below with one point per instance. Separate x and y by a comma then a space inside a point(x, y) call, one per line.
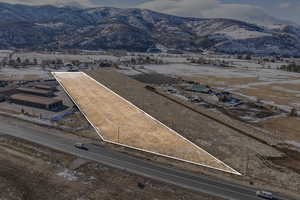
point(240, 34)
point(294, 143)
point(69, 175)
point(240, 70)
point(51, 25)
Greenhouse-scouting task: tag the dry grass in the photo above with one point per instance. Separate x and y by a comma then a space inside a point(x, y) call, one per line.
point(274, 93)
point(222, 81)
point(287, 127)
point(123, 123)
point(26, 176)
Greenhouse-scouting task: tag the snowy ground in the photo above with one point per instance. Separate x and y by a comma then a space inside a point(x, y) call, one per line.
point(257, 75)
point(9, 73)
point(244, 71)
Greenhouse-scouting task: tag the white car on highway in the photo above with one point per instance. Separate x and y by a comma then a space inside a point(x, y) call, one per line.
point(265, 195)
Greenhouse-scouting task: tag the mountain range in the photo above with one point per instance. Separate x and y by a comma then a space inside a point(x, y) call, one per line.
point(133, 29)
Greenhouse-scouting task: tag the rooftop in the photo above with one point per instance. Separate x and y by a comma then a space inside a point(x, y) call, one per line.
point(48, 87)
point(199, 88)
point(35, 99)
point(6, 89)
point(33, 90)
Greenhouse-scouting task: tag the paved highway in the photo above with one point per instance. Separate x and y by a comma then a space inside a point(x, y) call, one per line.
point(131, 164)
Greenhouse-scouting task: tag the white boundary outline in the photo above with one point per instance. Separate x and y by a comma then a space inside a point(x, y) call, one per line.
point(99, 132)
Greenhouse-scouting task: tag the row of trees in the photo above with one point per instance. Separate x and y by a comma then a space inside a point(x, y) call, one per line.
point(142, 60)
point(18, 62)
point(216, 62)
point(293, 67)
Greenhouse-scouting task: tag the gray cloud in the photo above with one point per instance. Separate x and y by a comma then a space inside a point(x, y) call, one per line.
point(211, 9)
point(287, 9)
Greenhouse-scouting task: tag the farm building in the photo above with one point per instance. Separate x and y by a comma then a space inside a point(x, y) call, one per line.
point(39, 92)
point(45, 87)
point(37, 102)
point(7, 91)
point(199, 88)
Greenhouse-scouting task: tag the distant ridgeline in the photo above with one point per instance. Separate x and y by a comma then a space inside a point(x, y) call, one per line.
point(139, 30)
point(291, 67)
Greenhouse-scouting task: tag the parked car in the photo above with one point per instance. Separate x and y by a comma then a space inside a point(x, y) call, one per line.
point(265, 195)
point(81, 146)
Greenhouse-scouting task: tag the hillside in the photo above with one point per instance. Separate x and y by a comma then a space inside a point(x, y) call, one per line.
point(49, 27)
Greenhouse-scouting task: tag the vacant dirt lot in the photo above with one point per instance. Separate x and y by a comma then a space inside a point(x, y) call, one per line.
point(121, 122)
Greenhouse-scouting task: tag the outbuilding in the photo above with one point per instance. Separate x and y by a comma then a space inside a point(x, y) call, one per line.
point(199, 88)
point(45, 87)
point(39, 92)
point(37, 102)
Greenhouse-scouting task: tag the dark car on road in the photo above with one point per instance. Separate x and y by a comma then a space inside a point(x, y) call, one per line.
point(81, 146)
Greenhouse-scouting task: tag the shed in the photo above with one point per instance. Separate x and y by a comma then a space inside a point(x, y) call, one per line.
point(199, 88)
point(7, 91)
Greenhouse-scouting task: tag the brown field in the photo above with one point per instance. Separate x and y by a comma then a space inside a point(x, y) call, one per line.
point(285, 127)
point(120, 122)
point(221, 81)
point(282, 94)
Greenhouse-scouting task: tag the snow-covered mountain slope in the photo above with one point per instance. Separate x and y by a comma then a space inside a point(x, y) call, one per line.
point(48, 27)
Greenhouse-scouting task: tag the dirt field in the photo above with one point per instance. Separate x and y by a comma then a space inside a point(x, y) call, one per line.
point(239, 151)
point(121, 122)
point(34, 172)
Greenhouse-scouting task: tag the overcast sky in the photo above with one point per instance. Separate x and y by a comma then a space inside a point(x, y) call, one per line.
point(283, 9)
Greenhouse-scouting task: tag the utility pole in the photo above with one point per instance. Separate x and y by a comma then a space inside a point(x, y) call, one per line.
point(247, 161)
point(118, 134)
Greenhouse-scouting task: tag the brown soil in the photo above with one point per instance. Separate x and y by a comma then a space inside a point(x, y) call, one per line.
point(291, 160)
